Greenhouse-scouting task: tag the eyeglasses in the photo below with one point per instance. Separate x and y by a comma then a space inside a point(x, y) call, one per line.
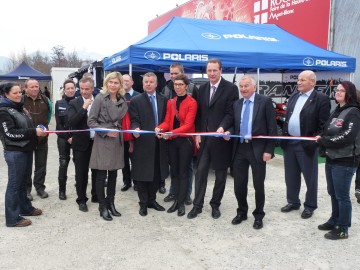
point(178, 84)
point(340, 90)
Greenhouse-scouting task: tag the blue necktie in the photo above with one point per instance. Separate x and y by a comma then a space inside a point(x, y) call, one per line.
point(245, 121)
point(152, 101)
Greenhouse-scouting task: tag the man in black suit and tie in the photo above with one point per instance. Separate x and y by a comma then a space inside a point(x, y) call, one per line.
point(215, 114)
point(254, 115)
point(82, 142)
point(126, 171)
point(306, 113)
point(150, 163)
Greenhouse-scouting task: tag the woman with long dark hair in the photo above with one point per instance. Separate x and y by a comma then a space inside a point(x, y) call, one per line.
point(18, 136)
point(340, 143)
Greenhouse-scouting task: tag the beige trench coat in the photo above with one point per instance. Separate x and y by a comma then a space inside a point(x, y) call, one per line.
point(107, 152)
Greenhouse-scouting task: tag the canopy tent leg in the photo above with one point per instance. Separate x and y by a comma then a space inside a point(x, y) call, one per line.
point(258, 80)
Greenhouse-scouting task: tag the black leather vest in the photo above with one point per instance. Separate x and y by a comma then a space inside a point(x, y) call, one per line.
point(22, 120)
point(347, 150)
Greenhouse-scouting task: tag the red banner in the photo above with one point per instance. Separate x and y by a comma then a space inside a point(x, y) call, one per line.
point(307, 19)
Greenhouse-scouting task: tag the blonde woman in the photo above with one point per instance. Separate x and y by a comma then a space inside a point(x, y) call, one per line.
point(107, 156)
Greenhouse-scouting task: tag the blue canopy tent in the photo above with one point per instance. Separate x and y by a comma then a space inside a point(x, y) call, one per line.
point(24, 72)
point(244, 47)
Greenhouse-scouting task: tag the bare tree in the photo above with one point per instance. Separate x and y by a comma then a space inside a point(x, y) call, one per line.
point(58, 56)
point(16, 59)
point(43, 62)
point(12, 63)
point(73, 60)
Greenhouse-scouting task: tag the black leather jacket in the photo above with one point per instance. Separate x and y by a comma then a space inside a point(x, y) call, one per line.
point(17, 130)
point(341, 136)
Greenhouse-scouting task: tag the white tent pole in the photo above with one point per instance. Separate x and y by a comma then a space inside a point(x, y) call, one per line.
point(130, 69)
point(258, 80)
point(351, 77)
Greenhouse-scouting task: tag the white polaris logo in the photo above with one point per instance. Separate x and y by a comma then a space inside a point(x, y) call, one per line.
point(236, 36)
point(152, 55)
point(186, 57)
point(116, 59)
point(329, 63)
point(308, 61)
point(211, 36)
point(240, 36)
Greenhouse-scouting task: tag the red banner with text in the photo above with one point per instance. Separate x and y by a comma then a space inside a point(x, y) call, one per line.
point(307, 19)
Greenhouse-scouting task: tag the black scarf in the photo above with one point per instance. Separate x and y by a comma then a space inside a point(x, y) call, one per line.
point(68, 99)
point(5, 102)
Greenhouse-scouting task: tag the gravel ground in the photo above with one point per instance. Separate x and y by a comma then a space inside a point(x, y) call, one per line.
point(65, 238)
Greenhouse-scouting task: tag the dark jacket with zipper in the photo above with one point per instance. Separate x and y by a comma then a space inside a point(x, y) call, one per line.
point(341, 136)
point(17, 130)
point(61, 116)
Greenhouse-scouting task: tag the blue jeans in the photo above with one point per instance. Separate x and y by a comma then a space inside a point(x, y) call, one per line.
point(338, 184)
point(16, 201)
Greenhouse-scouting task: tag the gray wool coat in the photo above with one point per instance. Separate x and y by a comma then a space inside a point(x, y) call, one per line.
point(107, 152)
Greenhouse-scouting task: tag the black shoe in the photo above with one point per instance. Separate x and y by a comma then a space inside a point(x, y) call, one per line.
point(326, 227)
point(162, 190)
point(357, 195)
point(135, 187)
point(188, 200)
point(42, 194)
point(336, 234)
point(194, 212)
point(238, 219)
point(289, 207)
point(125, 187)
point(143, 211)
point(169, 198)
point(62, 195)
point(83, 207)
point(156, 206)
point(306, 214)
point(181, 210)
point(215, 212)
point(258, 224)
point(104, 213)
point(94, 199)
point(113, 211)
point(173, 208)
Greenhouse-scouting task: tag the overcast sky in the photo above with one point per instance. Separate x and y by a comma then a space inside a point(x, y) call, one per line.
point(92, 28)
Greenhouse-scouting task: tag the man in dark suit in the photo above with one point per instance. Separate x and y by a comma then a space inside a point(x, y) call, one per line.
point(150, 163)
point(306, 113)
point(215, 114)
point(253, 115)
point(126, 171)
point(82, 142)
